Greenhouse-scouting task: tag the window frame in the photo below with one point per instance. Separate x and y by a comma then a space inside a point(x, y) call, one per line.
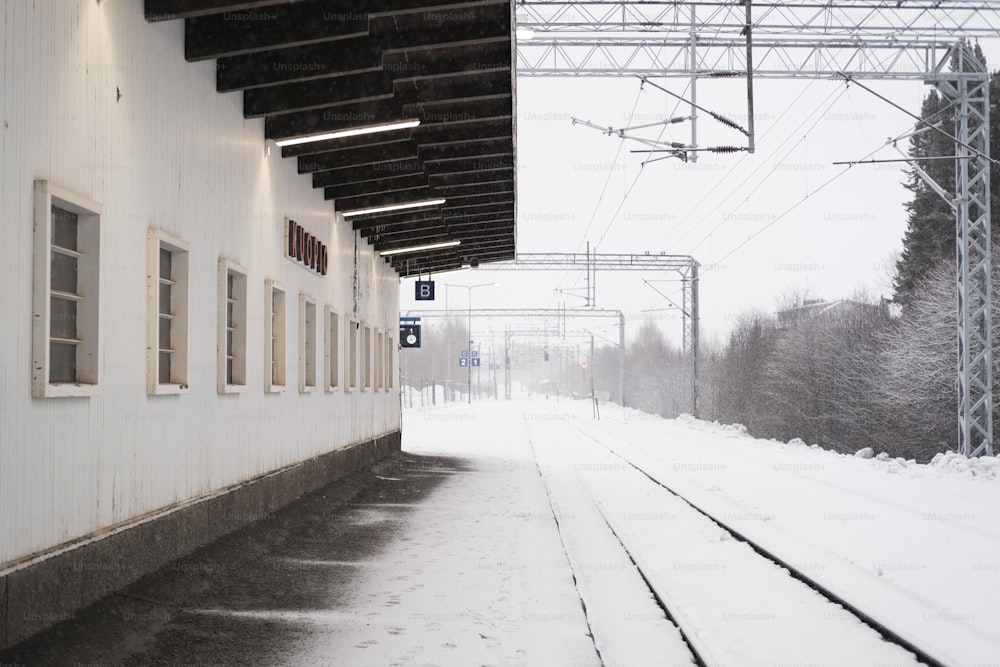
point(332, 348)
point(379, 359)
point(351, 353)
point(389, 359)
point(87, 296)
point(227, 266)
point(271, 319)
point(158, 240)
point(307, 330)
point(366, 364)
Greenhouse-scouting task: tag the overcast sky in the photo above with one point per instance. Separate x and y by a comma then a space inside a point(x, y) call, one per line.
point(829, 240)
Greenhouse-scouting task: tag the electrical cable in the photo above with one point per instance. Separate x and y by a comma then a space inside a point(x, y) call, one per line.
point(774, 169)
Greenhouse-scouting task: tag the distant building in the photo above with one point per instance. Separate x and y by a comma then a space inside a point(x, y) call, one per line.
point(812, 309)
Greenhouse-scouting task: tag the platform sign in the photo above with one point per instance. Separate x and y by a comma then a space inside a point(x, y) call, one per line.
point(409, 335)
point(475, 361)
point(463, 362)
point(424, 290)
point(475, 353)
point(465, 353)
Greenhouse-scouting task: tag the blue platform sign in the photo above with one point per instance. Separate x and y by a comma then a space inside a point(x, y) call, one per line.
point(475, 361)
point(475, 353)
point(463, 362)
point(465, 353)
point(424, 290)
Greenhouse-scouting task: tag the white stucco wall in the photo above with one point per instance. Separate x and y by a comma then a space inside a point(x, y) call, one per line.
point(170, 153)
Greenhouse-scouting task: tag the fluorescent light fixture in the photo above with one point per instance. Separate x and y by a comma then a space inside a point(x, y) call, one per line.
point(394, 207)
point(418, 248)
point(524, 33)
point(402, 125)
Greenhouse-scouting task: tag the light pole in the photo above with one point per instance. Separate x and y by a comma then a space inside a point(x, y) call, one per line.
point(469, 358)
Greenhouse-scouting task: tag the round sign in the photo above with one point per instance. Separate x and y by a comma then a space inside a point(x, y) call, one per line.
point(411, 339)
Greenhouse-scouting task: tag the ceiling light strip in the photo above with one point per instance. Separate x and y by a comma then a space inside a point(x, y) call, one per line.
point(402, 125)
point(418, 248)
point(394, 207)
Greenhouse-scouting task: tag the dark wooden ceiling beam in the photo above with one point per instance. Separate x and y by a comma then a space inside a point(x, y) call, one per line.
point(505, 219)
point(316, 94)
point(471, 241)
point(282, 26)
point(456, 191)
point(462, 150)
point(470, 177)
point(168, 10)
point(394, 152)
point(471, 164)
point(396, 235)
point(379, 171)
point(418, 217)
point(385, 199)
point(401, 232)
point(289, 24)
point(350, 116)
point(432, 262)
point(301, 63)
point(334, 188)
point(309, 95)
point(427, 134)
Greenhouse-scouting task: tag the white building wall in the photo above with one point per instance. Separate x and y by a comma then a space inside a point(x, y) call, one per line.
point(96, 100)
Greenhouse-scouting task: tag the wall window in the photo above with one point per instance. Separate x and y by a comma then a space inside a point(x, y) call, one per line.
point(66, 291)
point(331, 330)
point(379, 357)
point(389, 349)
point(307, 343)
point(366, 364)
point(275, 335)
point(351, 352)
point(232, 344)
point(167, 317)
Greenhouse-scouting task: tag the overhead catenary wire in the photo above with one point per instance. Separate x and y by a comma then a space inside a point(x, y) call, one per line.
point(922, 121)
point(718, 185)
point(797, 204)
point(773, 170)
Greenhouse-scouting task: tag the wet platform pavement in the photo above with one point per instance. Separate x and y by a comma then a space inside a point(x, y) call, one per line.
point(422, 560)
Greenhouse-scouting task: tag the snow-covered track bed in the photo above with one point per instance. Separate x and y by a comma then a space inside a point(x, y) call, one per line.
point(733, 602)
point(911, 548)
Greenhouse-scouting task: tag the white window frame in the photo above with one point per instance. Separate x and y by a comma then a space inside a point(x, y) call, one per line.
point(331, 339)
point(307, 343)
point(389, 360)
point(351, 327)
point(366, 364)
point(275, 338)
point(180, 250)
point(227, 266)
point(87, 297)
point(379, 360)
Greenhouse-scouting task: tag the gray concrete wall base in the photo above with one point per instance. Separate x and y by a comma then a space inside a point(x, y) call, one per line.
point(52, 589)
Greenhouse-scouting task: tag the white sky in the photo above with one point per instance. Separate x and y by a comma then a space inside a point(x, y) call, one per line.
point(837, 241)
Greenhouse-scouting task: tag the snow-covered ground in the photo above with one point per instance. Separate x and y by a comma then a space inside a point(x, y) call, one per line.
point(915, 547)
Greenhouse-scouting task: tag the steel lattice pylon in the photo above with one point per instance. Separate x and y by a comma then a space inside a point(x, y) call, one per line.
point(860, 39)
point(968, 88)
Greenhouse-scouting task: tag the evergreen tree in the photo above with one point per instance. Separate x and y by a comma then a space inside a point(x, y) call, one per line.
point(930, 233)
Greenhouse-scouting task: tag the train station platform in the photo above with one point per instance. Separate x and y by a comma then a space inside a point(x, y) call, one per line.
point(425, 559)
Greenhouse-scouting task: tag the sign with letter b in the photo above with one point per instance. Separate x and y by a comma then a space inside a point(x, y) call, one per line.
point(425, 290)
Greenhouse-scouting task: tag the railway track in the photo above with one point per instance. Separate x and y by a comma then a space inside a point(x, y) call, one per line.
point(646, 563)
